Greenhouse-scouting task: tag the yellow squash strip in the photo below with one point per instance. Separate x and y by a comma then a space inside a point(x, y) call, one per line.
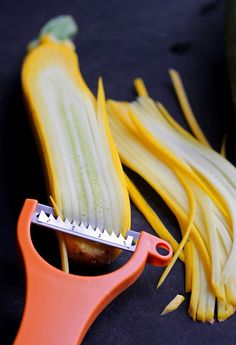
point(173, 305)
point(186, 108)
point(82, 166)
point(140, 87)
point(214, 242)
point(174, 123)
point(195, 290)
point(223, 146)
point(224, 310)
point(188, 266)
point(206, 303)
point(192, 208)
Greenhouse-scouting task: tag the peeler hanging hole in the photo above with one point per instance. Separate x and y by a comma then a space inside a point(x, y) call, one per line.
point(162, 249)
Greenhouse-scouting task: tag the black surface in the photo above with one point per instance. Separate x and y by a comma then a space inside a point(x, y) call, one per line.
point(119, 40)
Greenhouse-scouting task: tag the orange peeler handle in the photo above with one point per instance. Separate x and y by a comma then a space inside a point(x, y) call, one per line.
point(61, 307)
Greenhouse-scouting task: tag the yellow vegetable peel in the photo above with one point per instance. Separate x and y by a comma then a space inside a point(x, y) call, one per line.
point(186, 108)
point(186, 234)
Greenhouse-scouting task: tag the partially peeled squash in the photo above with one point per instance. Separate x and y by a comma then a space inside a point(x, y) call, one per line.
point(82, 166)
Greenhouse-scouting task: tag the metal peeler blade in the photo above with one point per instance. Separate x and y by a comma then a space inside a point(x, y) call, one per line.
point(44, 216)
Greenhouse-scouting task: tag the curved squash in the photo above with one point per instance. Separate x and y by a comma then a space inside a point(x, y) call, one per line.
point(82, 165)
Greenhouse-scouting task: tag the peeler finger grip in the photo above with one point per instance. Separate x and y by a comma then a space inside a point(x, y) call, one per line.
point(60, 307)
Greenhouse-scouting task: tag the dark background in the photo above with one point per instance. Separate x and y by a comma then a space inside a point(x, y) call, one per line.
point(118, 40)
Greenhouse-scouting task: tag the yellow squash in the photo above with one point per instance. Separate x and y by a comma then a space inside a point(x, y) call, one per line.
point(84, 173)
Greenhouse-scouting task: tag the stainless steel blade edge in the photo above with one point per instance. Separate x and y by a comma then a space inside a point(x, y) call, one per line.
point(44, 216)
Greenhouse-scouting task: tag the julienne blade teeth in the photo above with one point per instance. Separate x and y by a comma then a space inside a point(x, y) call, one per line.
point(67, 222)
point(128, 240)
point(42, 218)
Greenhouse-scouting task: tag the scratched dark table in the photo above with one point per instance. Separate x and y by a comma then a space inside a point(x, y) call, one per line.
point(118, 40)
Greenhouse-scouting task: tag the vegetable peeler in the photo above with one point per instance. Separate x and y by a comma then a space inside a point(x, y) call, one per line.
point(60, 307)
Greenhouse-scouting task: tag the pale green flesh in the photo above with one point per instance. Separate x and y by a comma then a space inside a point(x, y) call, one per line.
point(89, 188)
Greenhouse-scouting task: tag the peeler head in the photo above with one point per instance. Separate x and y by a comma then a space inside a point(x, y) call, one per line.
point(44, 216)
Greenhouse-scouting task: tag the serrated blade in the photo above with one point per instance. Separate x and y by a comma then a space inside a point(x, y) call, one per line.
point(44, 216)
